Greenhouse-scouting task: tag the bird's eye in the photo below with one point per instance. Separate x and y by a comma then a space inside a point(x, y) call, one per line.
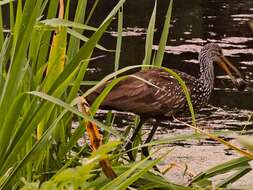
point(220, 52)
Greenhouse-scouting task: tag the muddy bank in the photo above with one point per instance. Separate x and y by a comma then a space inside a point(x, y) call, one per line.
point(198, 155)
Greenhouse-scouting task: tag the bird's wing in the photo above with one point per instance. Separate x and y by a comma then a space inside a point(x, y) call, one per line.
point(160, 93)
point(125, 96)
point(172, 99)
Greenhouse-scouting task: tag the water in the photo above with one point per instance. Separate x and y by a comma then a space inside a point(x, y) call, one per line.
point(193, 24)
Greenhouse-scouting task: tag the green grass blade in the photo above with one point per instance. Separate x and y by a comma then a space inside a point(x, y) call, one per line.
point(164, 37)
point(119, 39)
point(149, 37)
point(127, 182)
point(57, 22)
point(79, 36)
point(17, 28)
point(56, 59)
point(134, 173)
point(45, 42)
point(88, 83)
point(67, 9)
point(186, 92)
point(223, 168)
point(76, 84)
point(1, 29)
point(68, 107)
point(11, 119)
point(92, 11)
point(34, 48)
point(103, 95)
point(3, 53)
point(120, 179)
point(177, 138)
point(12, 17)
point(74, 43)
point(75, 136)
point(240, 173)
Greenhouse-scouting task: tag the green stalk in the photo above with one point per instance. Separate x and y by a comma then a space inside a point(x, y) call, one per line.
point(119, 39)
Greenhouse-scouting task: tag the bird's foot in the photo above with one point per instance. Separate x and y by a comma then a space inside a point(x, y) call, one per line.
point(145, 152)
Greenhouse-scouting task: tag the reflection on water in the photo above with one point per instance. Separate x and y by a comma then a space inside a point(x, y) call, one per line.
point(129, 31)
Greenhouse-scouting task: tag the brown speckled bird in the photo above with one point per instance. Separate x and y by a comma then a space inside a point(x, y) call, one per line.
point(164, 97)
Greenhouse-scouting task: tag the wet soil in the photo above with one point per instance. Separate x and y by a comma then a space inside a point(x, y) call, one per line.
point(199, 155)
point(192, 156)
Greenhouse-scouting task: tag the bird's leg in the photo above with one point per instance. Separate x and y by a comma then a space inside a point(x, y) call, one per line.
point(130, 142)
point(144, 149)
point(150, 136)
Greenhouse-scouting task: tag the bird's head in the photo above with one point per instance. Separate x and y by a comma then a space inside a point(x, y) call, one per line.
point(214, 52)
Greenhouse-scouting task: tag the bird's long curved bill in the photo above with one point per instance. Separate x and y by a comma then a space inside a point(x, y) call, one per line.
point(226, 65)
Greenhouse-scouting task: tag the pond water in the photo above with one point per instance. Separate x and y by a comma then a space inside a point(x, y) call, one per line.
point(193, 24)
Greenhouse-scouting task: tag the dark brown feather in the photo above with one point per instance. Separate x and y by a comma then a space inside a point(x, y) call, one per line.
point(160, 95)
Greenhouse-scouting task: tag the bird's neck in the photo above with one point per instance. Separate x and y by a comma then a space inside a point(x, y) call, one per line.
point(206, 72)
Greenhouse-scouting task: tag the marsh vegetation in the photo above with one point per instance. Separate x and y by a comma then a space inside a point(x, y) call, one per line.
point(51, 56)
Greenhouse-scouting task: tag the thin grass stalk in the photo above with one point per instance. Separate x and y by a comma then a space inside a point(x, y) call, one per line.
point(3, 60)
point(16, 29)
point(119, 39)
point(242, 172)
point(235, 164)
point(74, 44)
point(91, 11)
point(34, 49)
point(1, 29)
point(67, 9)
point(76, 85)
point(164, 37)
point(43, 7)
point(237, 149)
point(149, 37)
point(12, 17)
point(83, 38)
point(45, 41)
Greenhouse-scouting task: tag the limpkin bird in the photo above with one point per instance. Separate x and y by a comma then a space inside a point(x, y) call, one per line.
point(165, 98)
